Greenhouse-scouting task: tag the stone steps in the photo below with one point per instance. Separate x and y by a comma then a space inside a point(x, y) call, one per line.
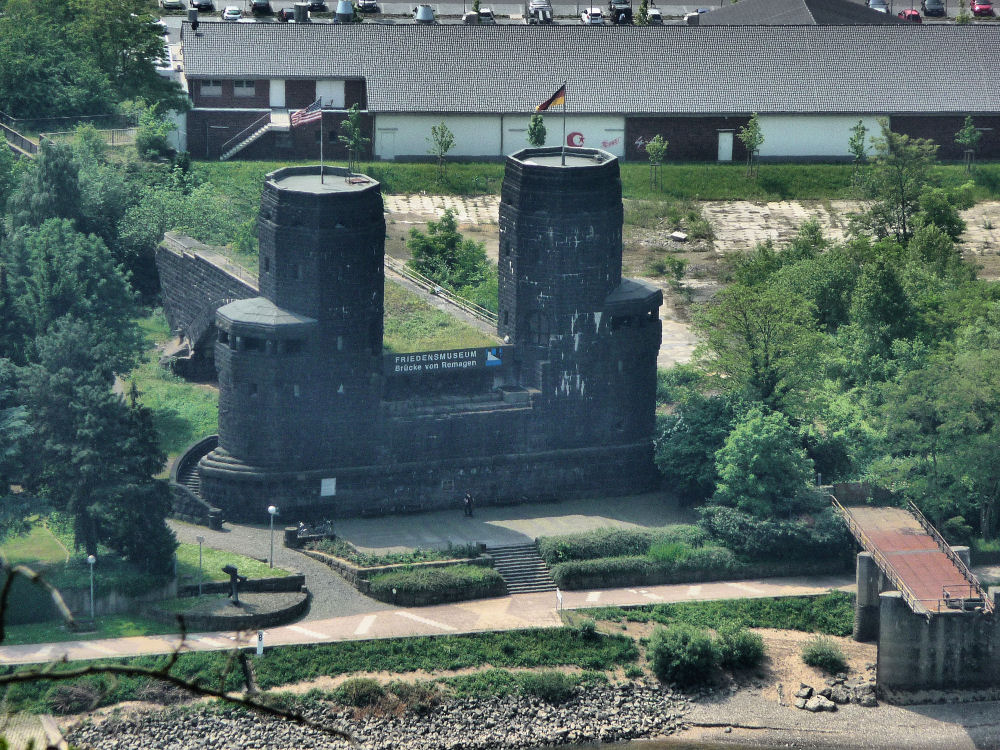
point(521, 568)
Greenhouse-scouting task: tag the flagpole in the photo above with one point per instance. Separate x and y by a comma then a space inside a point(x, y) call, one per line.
point(564, 125)
point(321, 143)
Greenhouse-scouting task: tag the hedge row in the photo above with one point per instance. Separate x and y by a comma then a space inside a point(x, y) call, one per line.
point(699, 565)
point(591, 545)
point(423, 586)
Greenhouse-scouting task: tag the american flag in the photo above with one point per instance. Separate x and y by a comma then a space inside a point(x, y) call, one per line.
point(310, 114)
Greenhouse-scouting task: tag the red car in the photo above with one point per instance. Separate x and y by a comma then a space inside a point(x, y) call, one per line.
point(910, 14)
point(981, 7)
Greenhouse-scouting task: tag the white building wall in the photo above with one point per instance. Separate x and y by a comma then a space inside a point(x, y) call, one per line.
point(811, 135)
point(493, 135)
point(332, 93)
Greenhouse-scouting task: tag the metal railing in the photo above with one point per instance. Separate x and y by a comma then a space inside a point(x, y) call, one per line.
point(113, 137)
point(20, 142)
point(958, 562)
point(477, 311)
point(245, 133)
point(905, 591)
point(37, 124)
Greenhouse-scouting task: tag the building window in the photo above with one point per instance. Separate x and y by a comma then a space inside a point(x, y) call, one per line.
point(295, 390)
point(294, 346)
point(298, 272)
point(211, 88)
point(267, 264)
point(224, 337)
point(253, 390)
point(251, 344)
point(244, 88)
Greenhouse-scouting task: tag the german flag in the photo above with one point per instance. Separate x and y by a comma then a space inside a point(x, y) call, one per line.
point(553, 101)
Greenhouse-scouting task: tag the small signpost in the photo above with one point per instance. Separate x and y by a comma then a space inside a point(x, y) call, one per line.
point(559, 597)
point(260, 642)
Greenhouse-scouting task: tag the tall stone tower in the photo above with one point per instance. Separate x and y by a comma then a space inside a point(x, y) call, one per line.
point(299, 367)
point(587, 339)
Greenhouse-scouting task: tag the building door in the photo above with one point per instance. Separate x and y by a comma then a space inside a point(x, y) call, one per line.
point(385, 143)
point(277, 92)
point(725, 145)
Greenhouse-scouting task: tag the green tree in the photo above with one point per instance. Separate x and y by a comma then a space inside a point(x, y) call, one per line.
point(457, 263)
point(687, 440)
point(762, 468)
point(352, 137)
point(48, 189)
point(963, 17)
point(536, 130)
point(752, 138)
point(857, 145)
point(642, 16)
point(152, 129)
point(93, 455)
point(442, 141)
point(968, 138)
point(761, 340)
point(8, 173)
point(656, 149)
point(899, 175)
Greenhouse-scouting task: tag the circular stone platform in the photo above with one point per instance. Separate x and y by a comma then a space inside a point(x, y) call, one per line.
point(256, 610)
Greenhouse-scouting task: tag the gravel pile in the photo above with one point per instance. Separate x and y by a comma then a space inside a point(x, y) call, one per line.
point(605, 713)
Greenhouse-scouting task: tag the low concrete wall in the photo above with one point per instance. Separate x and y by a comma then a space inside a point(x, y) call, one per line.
point(254, 585)
point(358, 576)
point(113, 602)
point(238, 621)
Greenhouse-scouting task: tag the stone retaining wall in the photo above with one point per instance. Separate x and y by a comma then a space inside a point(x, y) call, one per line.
point(241, 621)
point(295, 582)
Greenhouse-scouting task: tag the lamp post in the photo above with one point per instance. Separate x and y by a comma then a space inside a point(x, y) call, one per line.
point(90, 561)
point(201, 540)
point(272, 511)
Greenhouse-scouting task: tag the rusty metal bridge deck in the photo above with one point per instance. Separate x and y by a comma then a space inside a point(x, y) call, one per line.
point(915, 558)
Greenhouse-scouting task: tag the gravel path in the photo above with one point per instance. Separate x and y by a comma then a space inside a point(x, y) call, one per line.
point(332, 595)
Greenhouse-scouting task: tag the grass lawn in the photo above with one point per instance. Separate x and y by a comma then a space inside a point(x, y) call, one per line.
point(411, 325)
point(37, 548)
point(112, 626)
point(242, 182)
point(214, 559)
point(183, 412)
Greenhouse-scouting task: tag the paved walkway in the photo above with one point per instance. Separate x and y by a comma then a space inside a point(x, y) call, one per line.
point(332, 595)
point(508, 613)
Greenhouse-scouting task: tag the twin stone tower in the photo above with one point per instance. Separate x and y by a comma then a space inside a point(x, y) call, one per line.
point(315, 418)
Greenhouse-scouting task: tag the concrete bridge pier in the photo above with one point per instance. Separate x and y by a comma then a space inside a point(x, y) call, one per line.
point(866, 610)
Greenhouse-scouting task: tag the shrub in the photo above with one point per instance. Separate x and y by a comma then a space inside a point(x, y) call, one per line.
point(822, 535)
point(598, 543)
point(682, 654)
point(359, 692)
point(74, 697)
point(669, 552)
point(699, 562)
point(420, 697)
point(548, 684)
point(587, 629)
point(633, 671)
point(739, 648)
point(446, 584)
point(825, 654)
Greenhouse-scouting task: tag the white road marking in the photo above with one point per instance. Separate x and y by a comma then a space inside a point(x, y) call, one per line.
point(307, 631)
point(748, 588)
point(694, 591)
point(365, 625)
point(212, 642)
point(650, 594)
point(424, 620)
point(594, 596)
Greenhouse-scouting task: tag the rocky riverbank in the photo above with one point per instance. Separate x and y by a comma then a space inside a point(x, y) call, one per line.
point(609, 713)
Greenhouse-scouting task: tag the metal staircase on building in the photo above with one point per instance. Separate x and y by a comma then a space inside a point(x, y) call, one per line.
point(277, 120)
point(521, 568)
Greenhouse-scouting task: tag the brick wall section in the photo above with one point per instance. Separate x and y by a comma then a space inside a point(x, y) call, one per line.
point(942, 131)
point(189, 283)
point(261, 95)
point(209, 130)
point(690, 138)
point(299, 93)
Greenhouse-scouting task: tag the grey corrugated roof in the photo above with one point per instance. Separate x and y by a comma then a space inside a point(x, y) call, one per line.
point(795, 12)
point(632, 70)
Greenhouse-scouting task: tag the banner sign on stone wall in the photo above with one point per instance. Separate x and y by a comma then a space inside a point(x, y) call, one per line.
point(450, 360)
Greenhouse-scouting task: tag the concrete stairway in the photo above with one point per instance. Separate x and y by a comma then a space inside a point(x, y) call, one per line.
point(190, 478)
point(521, 568)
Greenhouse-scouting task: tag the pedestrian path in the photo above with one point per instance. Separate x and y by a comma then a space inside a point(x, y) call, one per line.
point(520, 611)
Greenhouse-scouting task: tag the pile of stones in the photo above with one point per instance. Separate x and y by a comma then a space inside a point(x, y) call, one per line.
point(610, 713)
point(837, 692)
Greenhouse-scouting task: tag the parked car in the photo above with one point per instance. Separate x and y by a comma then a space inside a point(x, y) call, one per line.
point(538, 11)
point(932, 7)
point(880, 5)
point(318, 6)
point(261, 8)
point(172, 4)
point(486, 16)
point(368, 6)
point(620, 11)
point(981, 7)
point(654, 17)
point(286, 14)
point(232, 13)
point(910, 14)
point(203, 4)
point(592, 17)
